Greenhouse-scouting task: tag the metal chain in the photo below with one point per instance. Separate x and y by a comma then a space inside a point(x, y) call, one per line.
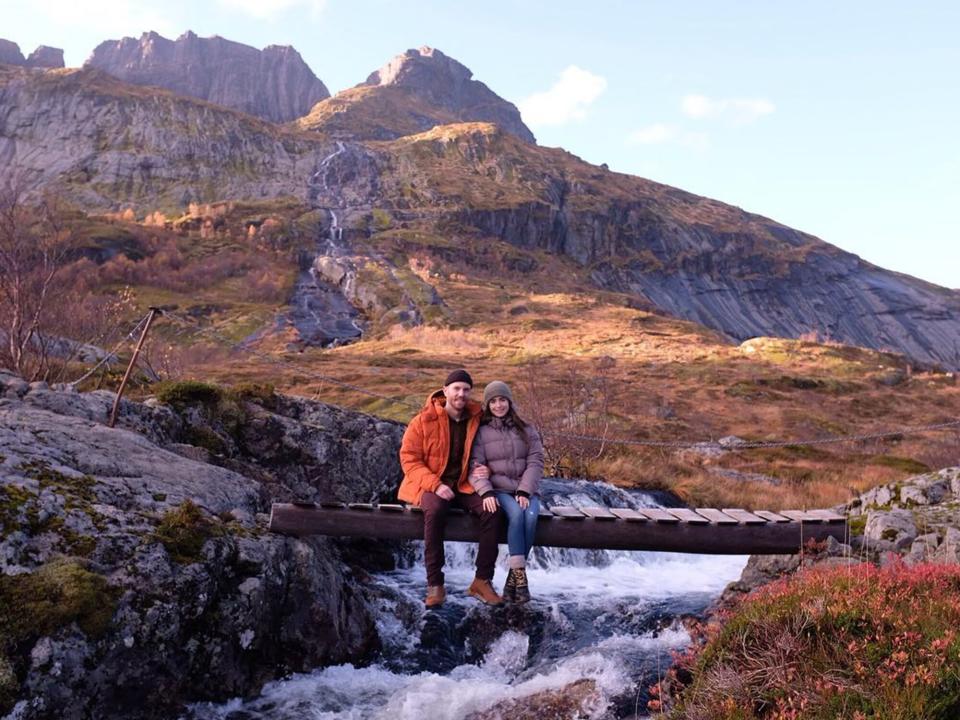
point(112, 354)
point(192, 326)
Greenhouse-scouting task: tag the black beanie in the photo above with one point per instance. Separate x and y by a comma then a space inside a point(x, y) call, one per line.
point(459, 376)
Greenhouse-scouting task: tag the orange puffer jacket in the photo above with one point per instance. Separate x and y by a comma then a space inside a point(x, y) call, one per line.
point(426, 448)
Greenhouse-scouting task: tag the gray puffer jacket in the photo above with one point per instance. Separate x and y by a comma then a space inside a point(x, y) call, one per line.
point(513, 456)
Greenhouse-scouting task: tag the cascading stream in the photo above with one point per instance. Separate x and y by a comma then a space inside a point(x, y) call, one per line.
point(611, 617)
point(319, 312)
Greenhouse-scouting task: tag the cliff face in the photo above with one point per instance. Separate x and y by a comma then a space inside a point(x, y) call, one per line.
point(414, 92)
point(139, 558)
point(274, 83)
point(106, 144)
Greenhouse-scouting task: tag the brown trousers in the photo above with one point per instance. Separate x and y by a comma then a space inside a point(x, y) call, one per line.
point(435, 523)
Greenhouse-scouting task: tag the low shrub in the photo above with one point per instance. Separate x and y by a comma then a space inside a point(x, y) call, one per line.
point(862, 642)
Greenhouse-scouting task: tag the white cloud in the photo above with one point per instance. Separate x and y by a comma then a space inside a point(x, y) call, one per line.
point(661, 134)
point(110, 17)
point(566, 101)
point(269, 9)
point(738, 111)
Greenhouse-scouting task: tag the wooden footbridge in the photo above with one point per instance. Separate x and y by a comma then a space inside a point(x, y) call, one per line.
point(703, 530)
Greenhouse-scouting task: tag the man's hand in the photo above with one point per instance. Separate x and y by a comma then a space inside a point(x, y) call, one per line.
point(523, 502)
point(480, 472)
point(490, 504)
point(444, 492)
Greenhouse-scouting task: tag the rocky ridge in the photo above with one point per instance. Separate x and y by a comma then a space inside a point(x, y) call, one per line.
point(151, 541)
point(43, 57)
point(413, 92)
point(274, 83)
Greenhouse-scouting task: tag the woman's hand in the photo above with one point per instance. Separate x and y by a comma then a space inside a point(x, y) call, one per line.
point(490, 504)
point(523, 501)
point(480, 472)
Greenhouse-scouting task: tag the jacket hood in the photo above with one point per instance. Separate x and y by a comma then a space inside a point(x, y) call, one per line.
point(437, 402)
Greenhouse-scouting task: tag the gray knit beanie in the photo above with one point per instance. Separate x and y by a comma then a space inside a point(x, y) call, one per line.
point(497, 388)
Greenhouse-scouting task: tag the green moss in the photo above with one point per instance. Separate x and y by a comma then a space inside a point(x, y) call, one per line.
point(380, 219)
point(889, 534)
point(183, 532)
point(262, 393)
point(36, 604)
point(857, 524)
point(12, 501)
point(188, 392)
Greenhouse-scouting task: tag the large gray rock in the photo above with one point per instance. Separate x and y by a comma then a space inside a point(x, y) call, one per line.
point(274, 83)
point(443, 82)
point(894, 530)
point(187, 622)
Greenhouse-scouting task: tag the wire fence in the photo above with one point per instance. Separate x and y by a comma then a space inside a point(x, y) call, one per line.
point(191, 326)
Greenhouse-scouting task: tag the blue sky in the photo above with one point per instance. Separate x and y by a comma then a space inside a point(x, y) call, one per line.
point(841, 119)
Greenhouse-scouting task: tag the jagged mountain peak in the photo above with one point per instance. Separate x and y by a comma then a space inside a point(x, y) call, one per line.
point(413, 92)
point(425, 68)
point(274, 83)
point(43, 57)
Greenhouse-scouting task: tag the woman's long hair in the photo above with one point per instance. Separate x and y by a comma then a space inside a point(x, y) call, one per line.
point(511, 416)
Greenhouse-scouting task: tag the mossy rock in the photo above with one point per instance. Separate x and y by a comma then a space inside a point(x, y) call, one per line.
point(262, 393)
point(56, 594)
point(183, 531)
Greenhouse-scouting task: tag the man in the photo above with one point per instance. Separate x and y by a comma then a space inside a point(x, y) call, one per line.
point(434, 457)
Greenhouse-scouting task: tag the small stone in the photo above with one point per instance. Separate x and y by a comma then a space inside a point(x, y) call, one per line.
point(38, 385)
point(246, 638)
point(730, 442)
point(128, 641)
point(41, 653)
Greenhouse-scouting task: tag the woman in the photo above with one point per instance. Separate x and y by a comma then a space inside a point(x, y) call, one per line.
point(507, 464)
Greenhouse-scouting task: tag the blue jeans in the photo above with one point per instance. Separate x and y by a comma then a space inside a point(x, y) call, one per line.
point(522, 524)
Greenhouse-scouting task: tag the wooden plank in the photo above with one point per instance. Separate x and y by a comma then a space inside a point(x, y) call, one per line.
point(545, 512)
point(716, 517)
point(735, 539)
point(771, 516)
point(829, 516)
point(688, 516)
point(367, 507)
point(742, 516)
point(416, 509)
point(387, 507)
point(801, 516)
point(629, 514)
point(658, 515)
point(566, 512)
point(598, 513)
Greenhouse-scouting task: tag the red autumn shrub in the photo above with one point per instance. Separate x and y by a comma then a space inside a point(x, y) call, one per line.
point(860, 642)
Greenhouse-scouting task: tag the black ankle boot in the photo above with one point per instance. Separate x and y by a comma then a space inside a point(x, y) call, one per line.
point(521, 590)
point(510, 587)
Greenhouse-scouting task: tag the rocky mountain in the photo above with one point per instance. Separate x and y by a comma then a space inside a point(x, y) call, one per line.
point(138, 559)
point(106, 145)
point(274, 83)
point(43, 57)
point(413, 92)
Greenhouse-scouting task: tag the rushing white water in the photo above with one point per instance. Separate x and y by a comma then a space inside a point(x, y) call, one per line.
point(605, 616)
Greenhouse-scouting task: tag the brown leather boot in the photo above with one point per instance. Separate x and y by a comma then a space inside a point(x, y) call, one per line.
point(483, 591)
point(436, 594)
